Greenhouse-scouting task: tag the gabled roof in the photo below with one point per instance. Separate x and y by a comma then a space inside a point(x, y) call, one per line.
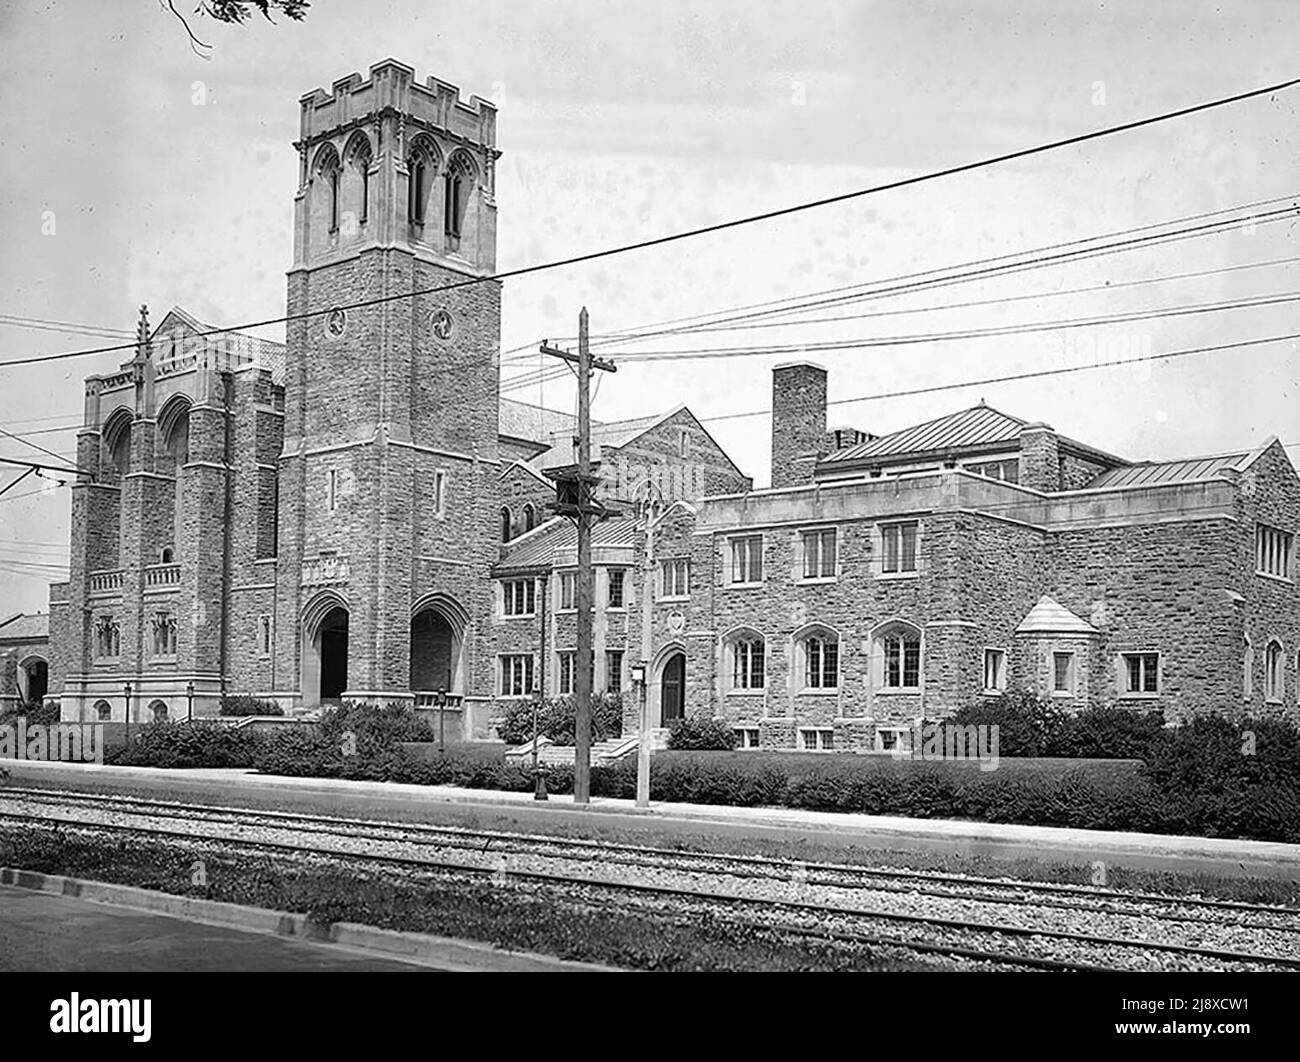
point(612, 435)
point(523, 420)
point(24, 626)
point(1154, 473)
point(1049, 616)
point(512, 465)
point(559, 535)
point(243, 348)
point(979, 426)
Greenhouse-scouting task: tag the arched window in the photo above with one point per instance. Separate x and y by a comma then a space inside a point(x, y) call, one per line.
point(421, 166)
point(745, 660)
point(506, 522)
point(167, 555)
point(107, 638)
point(116, 445)
point(158, 710)
point(103, 711)
point(325, 192)
point(817, 659)
point(1273, 671)
point(530, 517)
point(1248, 669)
point(357, 156)
point(896, 656)
point(459, 181)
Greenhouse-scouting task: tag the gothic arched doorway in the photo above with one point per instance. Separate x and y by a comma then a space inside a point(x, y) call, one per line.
point(437, 636)
point(33, 680)
point(332, 647)
point(672, 689)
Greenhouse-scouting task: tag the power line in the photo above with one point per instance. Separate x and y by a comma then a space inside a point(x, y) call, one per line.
point(34, 446)
point(940, 337)
point(1107, 286)
point(611, 337)
point(1213, 228)
point(722, 226)
point(1026, 375)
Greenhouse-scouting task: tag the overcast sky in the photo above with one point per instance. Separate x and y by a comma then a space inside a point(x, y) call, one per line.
point(622, 121)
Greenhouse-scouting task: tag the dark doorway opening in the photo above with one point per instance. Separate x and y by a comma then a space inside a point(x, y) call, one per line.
point(334, 655)
point(673, 689)
point(38, 681)
point(433, 653)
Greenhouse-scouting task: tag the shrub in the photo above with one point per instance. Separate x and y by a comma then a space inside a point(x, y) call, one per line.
point(381, 726)
point(1027, 724)
point(556, 718)
point(46, 714)
point(687, 733)
point(191, 744)
point(1108, 733)
point(242, 704)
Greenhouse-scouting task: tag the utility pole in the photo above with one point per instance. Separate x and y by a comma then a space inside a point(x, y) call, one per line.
point(575, 497)
point(647, 595)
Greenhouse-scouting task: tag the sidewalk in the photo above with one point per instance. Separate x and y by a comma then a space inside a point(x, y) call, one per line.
point(1261, 858)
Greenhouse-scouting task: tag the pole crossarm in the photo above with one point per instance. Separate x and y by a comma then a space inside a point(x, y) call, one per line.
point(604, 364)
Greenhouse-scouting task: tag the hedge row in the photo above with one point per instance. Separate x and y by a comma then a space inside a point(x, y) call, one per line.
point(1210, 777)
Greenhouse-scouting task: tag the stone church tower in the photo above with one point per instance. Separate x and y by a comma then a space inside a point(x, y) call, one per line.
point(386, 528)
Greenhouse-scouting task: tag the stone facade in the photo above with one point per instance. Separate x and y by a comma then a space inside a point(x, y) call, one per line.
point(799, 435)
point(312, 520)
point(947, 577)
point(24, 660)
point(357, 514)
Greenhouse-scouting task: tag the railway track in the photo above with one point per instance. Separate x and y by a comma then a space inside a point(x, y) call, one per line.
point(977, 920)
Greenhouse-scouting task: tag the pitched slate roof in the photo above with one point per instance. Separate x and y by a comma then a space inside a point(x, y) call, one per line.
point(23, 626)
point(975, 427)
point(614, 434)
point(243, 347)
point(523, 420)
point(1154, 473)
point(1050, 617)
point(539, 547)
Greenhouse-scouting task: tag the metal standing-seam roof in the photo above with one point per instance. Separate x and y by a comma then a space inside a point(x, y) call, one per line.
point(978, 426)
point(560, 535)
point(1154, 473)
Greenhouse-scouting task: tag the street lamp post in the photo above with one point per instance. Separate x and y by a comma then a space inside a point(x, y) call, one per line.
point(440, 699)
point(126, 695)
point(539, 777)
point(189, 699)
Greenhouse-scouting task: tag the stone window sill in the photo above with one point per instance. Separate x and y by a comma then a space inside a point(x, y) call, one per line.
point(818, 691)
point(898, 575)
point(520, 615)
point(1139, 696)
point(993, 692)
point(676, 599)
point(816, 580)
point(898, 691)
point(1275, 577)
point(744, 586)
point(747, 693)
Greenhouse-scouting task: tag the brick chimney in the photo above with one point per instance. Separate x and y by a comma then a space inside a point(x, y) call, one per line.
point(1040, 458)
point(798, 422)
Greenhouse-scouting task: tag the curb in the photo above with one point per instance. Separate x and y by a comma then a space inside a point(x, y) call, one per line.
point(446, 953)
